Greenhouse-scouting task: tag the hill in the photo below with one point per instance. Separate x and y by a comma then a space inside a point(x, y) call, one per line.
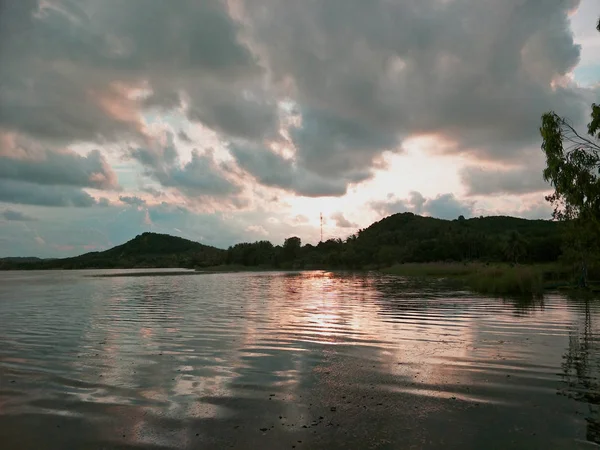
point(148, 250)
point(399, 238)
point(407, 237)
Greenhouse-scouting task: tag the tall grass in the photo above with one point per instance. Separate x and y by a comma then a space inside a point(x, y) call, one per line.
point(506, 280)
point(500, 279)
point(441, 270)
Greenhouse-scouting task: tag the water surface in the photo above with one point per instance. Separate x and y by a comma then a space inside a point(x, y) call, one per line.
point(309, 360)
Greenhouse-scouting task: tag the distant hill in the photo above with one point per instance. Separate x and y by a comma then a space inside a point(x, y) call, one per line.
point(147, 250)
point(399, 238)
point(21, 259)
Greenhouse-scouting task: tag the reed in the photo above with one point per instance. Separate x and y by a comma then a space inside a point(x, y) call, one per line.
point(498, 279)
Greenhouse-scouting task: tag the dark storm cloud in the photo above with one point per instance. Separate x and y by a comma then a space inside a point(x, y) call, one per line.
point(272, 169)
point(233, 114)
point(475, 72)
point(443, 206)
point(19, 192)
point(15, 216)
point(338, 147)
point(68, 67)
point(520, 180)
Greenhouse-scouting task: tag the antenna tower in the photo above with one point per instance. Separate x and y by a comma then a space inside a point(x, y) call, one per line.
point(321, 218)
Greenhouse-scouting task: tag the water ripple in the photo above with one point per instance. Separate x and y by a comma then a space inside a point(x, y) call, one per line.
point(265, 360)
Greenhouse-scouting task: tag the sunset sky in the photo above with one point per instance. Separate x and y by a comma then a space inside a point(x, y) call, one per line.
point(243, 120)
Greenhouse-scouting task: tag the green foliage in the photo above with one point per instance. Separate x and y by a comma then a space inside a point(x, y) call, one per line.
point(245, 254)
point(291, 249)
point(405, 238)
point(573, 169)
point(408, 238)
point(515, 247)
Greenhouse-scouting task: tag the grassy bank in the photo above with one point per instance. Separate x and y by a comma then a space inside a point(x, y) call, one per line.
point(494, 279)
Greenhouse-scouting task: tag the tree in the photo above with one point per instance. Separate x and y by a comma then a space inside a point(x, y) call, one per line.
point(573, 169)
point(515, 247)
point(572, 166)
point(291, 248)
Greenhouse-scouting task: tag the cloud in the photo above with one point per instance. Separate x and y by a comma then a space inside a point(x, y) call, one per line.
point(342, 222)
point(33, 174)
point(338, 147)
point(19, 192)
point(51, 88)
point(132, 200)
point(447, 206)
point(201, 176)
point(103, 201)
point(47, 167)
point(443, 206)
point(536, 210)
point(86, 63)
point(152, 191)
point(15, 216)
point(336, 82)
point(520, 180)
point(234, 115)
point(272, 169)
point(257, 230)
point(183, 136)
point(475, 73)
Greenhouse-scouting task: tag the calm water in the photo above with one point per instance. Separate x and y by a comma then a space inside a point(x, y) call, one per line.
point(275, 361)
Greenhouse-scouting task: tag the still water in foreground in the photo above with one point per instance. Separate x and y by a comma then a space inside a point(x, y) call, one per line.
point(309, 360)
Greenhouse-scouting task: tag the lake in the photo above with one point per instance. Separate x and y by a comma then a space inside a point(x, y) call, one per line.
point(309, 360)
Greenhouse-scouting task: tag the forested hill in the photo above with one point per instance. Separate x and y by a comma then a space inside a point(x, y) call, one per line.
point(404, 237)
point(407, 237)
point(144, 251)
point(410, 238)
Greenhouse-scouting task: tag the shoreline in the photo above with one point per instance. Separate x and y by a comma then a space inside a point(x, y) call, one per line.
point(484, 278)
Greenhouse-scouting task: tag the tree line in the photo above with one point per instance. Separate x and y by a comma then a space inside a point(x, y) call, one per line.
point(407, 237)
